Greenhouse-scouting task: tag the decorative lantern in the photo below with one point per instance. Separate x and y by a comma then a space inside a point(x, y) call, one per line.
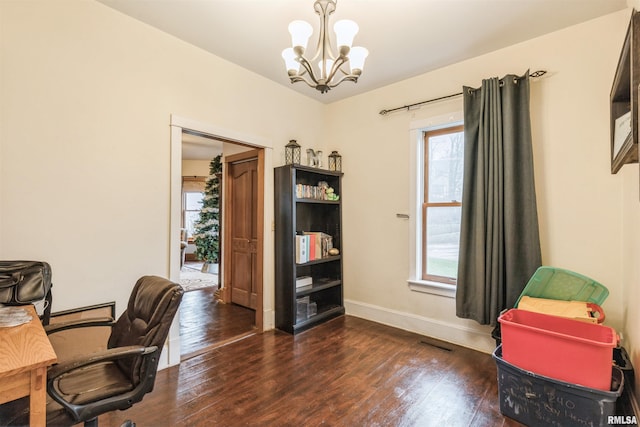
point(292, 153)
point(335, 161)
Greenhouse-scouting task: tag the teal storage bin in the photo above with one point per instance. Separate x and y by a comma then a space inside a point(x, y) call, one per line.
point(564, 285)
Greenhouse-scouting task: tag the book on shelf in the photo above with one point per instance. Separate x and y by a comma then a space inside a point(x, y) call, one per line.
point(312, 245)
point(302, 249)
point(313, 254)
point(323, 242)
point(303, 281)
point(315, 192)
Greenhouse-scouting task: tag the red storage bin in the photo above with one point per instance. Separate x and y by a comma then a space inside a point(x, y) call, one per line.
point(556, 347)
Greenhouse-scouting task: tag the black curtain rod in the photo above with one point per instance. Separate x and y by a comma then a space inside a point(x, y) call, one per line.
point(535, 74)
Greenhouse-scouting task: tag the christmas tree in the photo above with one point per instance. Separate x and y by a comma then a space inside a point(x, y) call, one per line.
point(207, 228)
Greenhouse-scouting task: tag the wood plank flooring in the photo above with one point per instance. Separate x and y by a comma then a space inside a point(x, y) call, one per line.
point(346, 372)
point(206, 323)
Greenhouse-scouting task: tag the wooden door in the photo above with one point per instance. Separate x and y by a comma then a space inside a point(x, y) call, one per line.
point(244, 232)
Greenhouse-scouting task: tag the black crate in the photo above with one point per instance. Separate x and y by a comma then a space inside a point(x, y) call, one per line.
point(535, 400)
point(622, 361)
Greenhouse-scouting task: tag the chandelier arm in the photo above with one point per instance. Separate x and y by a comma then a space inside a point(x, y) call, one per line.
point(324, 8)
point(337, 65)
point(348, 77)
point(319, 44)
point(347, 74)
point(327, 53)
point(307, 69)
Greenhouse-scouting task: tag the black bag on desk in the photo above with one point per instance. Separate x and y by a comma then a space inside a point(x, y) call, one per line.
point(24, 282)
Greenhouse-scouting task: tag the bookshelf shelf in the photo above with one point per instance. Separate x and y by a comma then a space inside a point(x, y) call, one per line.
point(322, 316)
point(298, 310)
point(321, 202)
point(319, 287)
point(321, 260)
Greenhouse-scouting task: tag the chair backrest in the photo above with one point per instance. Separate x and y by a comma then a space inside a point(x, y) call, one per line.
point(152, 306)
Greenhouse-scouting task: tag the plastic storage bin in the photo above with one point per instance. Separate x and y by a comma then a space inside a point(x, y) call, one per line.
point(565, 285)
point(565, 349)
point(622, 361)
point(535, 400)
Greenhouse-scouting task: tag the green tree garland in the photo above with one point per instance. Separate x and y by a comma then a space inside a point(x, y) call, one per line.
point(207, 228)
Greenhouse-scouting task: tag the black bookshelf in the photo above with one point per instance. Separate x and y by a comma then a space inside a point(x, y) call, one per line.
point(624, 97)
point(298, 211)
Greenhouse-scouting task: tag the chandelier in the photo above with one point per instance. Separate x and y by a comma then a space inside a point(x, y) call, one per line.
point(329, 64)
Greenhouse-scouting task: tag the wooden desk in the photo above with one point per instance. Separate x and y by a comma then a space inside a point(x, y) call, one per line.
point(25, 354)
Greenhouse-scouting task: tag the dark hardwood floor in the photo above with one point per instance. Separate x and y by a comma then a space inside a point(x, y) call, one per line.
point(346, 372)
point(206, 323)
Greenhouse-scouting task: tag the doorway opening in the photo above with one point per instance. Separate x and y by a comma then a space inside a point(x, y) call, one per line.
point(209, 317)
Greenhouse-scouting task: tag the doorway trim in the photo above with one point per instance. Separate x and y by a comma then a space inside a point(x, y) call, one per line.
point(179, 124)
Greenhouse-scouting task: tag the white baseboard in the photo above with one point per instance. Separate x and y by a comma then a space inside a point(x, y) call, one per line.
point(170, 355)
point(268, 320)
point(478, 339)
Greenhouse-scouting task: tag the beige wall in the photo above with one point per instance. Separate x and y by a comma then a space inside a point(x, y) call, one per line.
point(87, 98)
point(631, 266)
point(195, 167)
point(579, 201)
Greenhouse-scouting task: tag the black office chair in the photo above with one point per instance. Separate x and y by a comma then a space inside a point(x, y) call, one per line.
point(86, 387)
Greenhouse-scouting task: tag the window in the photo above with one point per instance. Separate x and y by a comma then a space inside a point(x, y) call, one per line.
point(441, 207)
point(192, 197)
point(192, 207)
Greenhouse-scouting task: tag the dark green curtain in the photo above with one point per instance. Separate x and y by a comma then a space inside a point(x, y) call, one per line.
point(499, 238)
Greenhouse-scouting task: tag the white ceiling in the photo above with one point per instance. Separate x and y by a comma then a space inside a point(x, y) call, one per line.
point(198, 147)
point(405, 38)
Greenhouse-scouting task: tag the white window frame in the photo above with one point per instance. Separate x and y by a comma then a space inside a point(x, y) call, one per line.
point(190, 187)
point(184, 206)
point(416, 198)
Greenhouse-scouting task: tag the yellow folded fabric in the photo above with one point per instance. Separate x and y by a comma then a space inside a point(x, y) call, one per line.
point(578, 310)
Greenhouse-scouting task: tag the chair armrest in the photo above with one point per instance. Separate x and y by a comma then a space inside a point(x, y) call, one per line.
point(80, 323)
point(103, 356)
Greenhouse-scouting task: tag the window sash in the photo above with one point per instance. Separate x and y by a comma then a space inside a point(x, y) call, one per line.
point(426, 204)
point(191, 184)
point(425, 274)
point(189, 216)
